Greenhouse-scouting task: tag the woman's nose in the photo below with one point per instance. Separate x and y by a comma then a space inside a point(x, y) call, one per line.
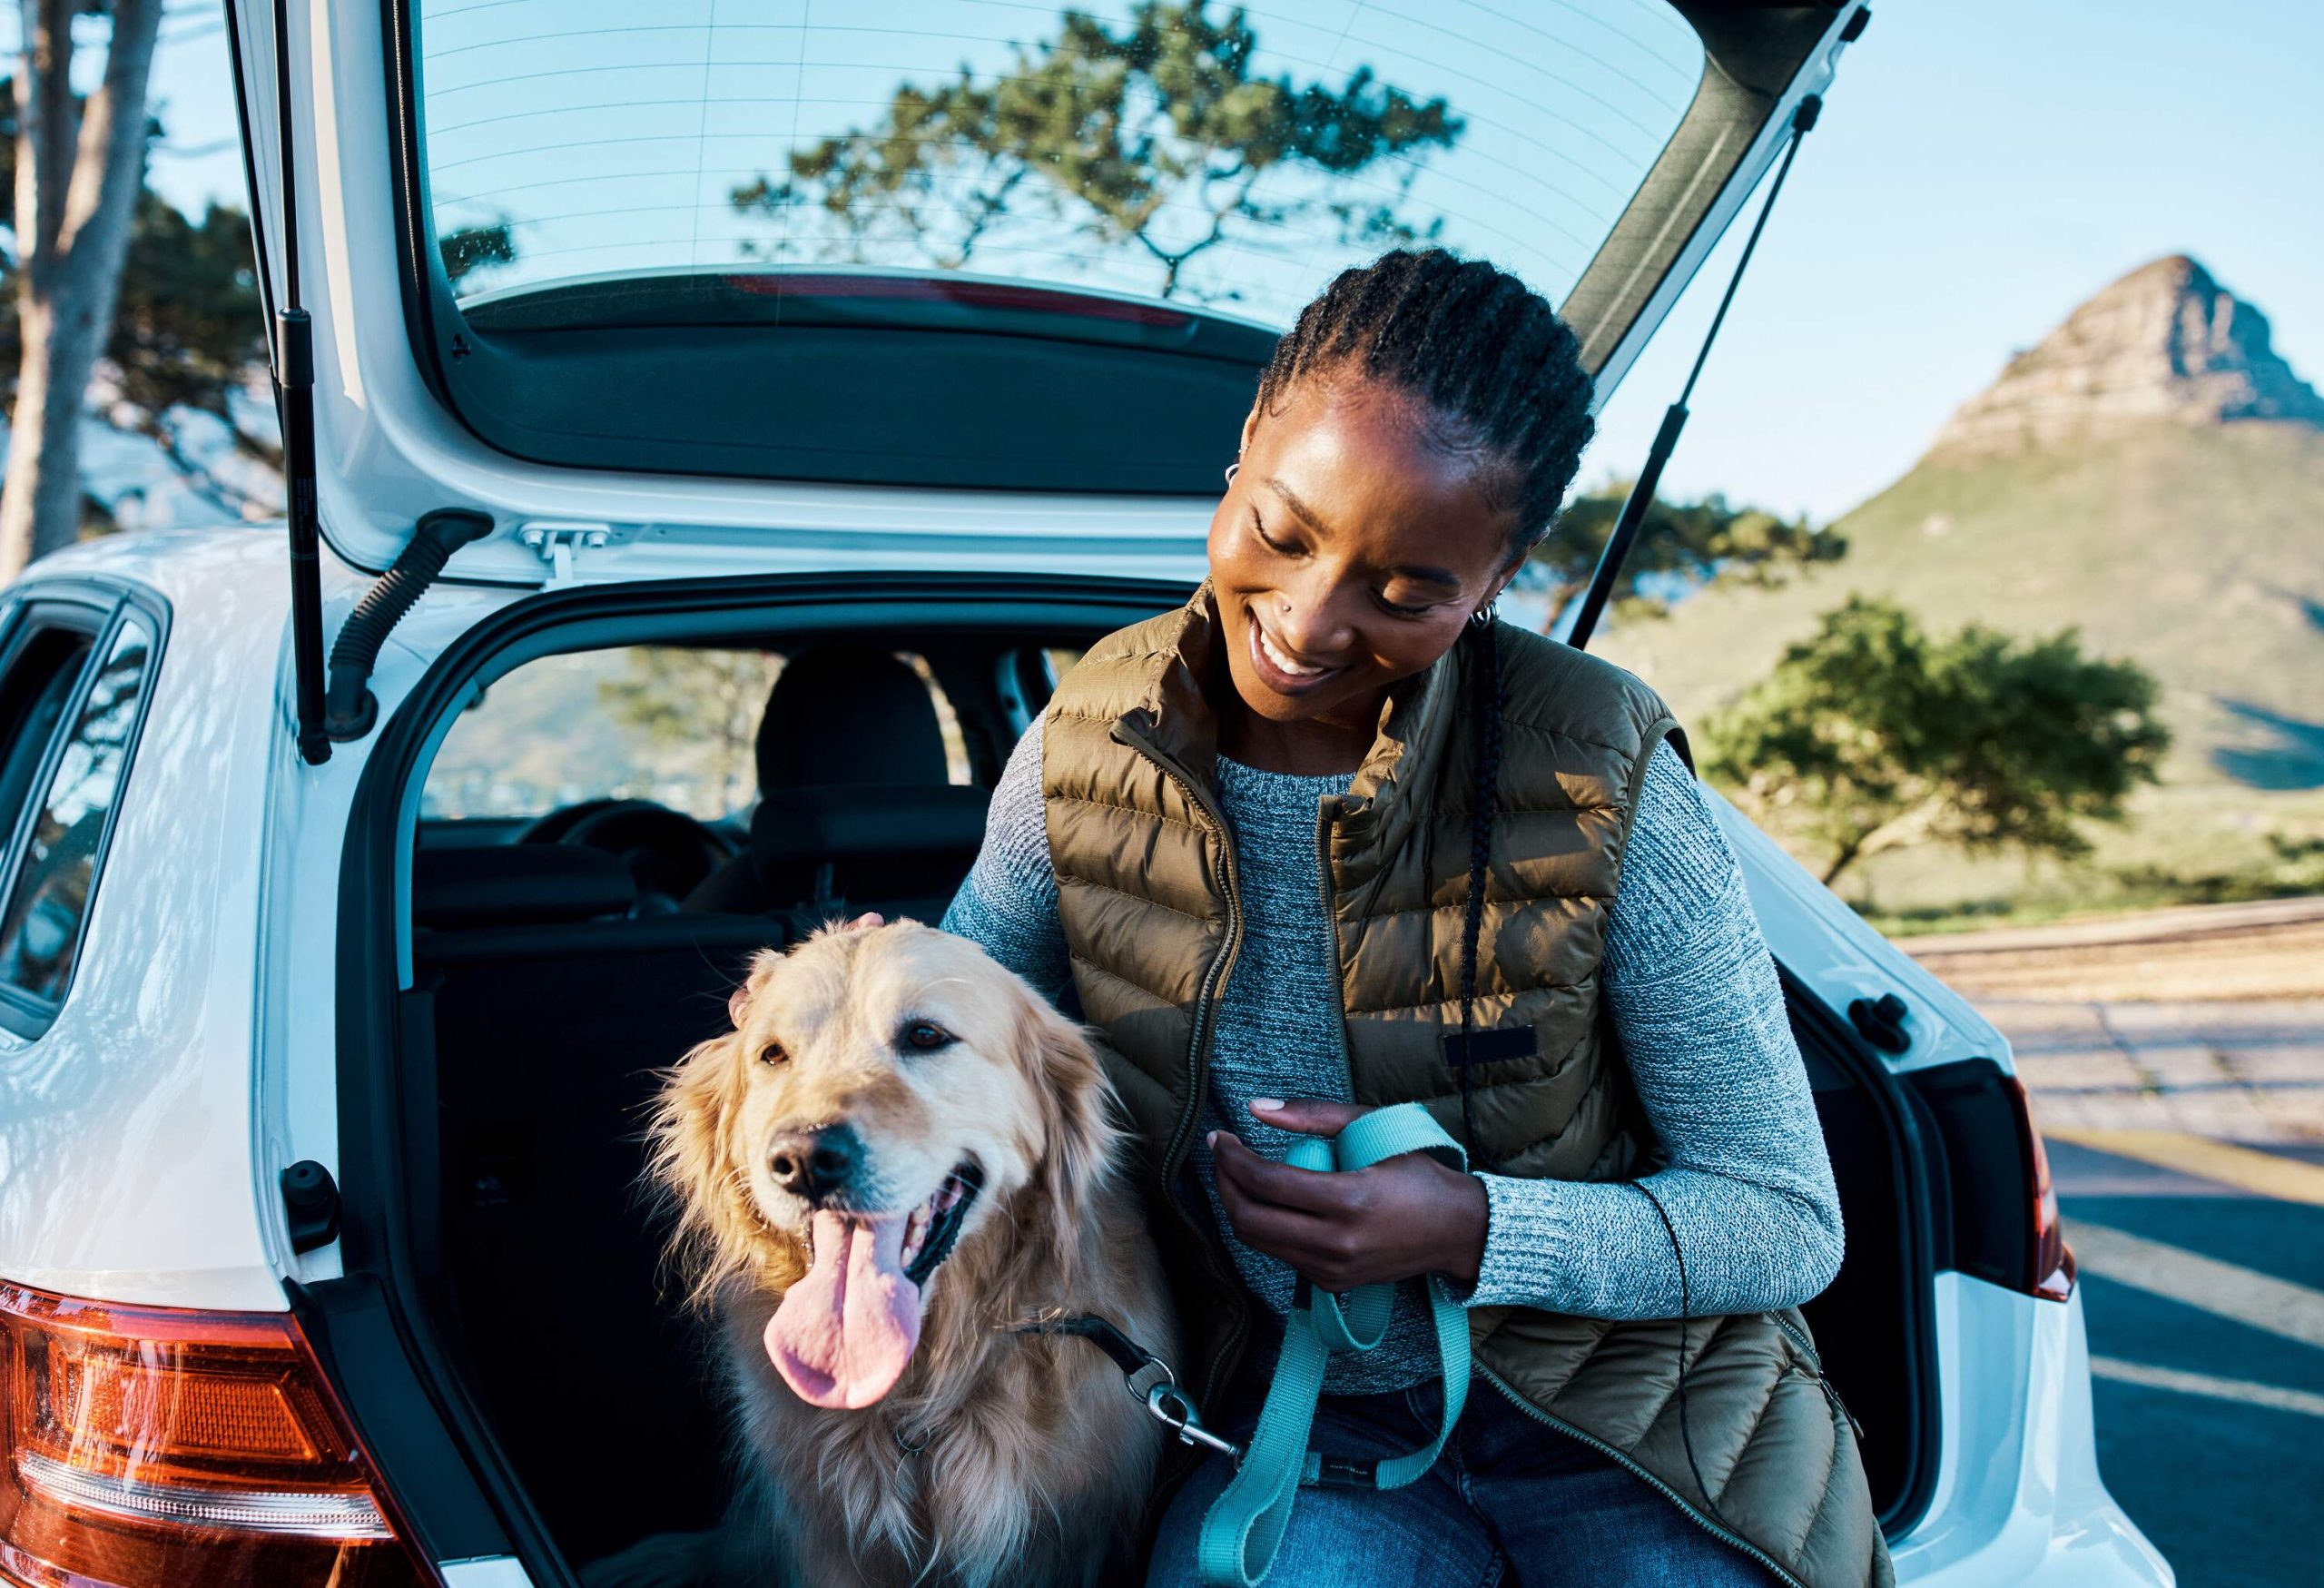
point(1309, 621)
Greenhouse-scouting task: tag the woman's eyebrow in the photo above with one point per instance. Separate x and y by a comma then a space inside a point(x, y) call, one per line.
point(1427, 576)
point(1291, 500)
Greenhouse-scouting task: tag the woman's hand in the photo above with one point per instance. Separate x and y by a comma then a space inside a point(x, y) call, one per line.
point(1404, 1216)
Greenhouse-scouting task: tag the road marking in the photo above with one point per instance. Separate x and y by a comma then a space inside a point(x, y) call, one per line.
point(2287, 1179)
point(2223, 1289)
point(2274, 1395)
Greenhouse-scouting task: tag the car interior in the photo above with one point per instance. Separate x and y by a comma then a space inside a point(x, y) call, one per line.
point(562, 959)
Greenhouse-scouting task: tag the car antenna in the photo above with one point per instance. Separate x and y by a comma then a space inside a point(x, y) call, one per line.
point(1674, 418)
point(294, 404)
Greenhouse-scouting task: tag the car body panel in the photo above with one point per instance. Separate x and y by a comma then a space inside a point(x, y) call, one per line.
point(494, 1571)
point(2018, 1496)
point(130, 1166)
point(1833, 949)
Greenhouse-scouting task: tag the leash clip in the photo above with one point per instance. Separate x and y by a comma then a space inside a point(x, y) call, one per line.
point(1186, 1422)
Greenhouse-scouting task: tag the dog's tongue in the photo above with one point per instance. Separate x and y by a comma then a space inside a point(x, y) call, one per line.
point(843, 1334)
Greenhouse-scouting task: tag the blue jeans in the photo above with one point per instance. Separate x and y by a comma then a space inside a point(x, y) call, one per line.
point(1509, 1493)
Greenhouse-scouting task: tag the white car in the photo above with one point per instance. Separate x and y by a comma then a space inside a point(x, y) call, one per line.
point(321, 1259)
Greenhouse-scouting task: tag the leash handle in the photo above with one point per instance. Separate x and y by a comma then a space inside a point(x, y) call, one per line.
point(1246, 1525)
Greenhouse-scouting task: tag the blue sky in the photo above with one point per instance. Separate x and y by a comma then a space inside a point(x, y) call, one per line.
point(1983, 165)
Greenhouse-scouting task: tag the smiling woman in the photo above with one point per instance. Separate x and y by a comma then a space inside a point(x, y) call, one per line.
point(1332, 838)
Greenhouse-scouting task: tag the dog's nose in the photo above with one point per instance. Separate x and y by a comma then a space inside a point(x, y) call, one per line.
point(815, 1164)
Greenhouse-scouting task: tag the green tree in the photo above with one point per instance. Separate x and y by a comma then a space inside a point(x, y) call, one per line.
point(1159, 135)
point(1871, 734)
point(477, 251)
point(189, 337)
point(1679, 543)
point(704, 702)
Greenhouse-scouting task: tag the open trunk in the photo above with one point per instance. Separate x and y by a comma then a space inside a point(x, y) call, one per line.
point(550, 982)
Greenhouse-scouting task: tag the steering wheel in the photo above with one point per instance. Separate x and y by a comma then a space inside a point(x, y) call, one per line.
point(668, 853)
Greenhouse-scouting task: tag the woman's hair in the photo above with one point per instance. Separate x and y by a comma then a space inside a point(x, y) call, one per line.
point(1497, 370)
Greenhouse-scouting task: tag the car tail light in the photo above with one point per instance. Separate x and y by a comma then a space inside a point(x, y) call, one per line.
point(159, 1448)
point(2050, 1273)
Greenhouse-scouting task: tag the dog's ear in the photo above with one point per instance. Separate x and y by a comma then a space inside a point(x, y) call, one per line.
point(717, 1233)
point(1077, 1136)
point(738, 1002)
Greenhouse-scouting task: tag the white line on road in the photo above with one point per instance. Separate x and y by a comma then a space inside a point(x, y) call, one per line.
point(2223, 1289)
point(2274, 1395)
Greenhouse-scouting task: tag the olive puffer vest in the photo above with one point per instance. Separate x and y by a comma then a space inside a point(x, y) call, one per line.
point(1146, 893)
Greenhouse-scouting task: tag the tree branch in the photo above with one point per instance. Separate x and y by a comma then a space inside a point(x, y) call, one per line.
point(1906, 827)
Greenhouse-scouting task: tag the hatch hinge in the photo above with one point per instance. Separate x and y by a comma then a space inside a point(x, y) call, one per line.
point(559, 545)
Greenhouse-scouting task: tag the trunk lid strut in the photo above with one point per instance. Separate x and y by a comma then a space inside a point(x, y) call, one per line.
point(293, 370)
point(1624, 534)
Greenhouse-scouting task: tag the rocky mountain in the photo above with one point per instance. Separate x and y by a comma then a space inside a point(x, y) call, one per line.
point(2166, 342)
point(2152, 474)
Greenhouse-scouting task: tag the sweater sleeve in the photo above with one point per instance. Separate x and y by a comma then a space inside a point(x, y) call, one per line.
point(1007, 903)
point(1748, 1189)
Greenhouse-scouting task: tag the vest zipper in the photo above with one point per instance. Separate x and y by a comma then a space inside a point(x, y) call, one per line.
point(1723, 1534)
point(1197, 1045)
point(1815, 1368)
point(1327, 814)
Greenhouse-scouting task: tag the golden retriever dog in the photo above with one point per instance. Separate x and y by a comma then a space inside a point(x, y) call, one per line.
point(899, 1152)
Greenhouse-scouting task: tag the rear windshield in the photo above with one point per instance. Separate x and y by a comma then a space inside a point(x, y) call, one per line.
point(1228, 158)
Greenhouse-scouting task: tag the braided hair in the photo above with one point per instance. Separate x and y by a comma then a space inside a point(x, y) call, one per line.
point(1497, 375)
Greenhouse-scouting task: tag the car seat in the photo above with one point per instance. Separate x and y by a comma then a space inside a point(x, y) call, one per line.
point(855, 810)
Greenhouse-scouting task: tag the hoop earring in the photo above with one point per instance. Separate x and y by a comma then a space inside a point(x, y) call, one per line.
point(1484, 617)
point(1231, 469)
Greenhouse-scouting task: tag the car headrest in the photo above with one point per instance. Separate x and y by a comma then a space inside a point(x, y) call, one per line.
point(513, 884)
point(849, 715)
point(806, 826)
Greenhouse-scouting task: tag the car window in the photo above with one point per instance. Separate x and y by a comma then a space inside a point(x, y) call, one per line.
point(1238, 157)
point(33, 692)
point(48, 904)
point(677, 726)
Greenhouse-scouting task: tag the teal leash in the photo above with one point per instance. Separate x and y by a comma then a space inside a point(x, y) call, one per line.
point(1245, 1525)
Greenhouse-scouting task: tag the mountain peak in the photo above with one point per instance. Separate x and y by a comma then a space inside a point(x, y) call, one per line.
point(2165, 343)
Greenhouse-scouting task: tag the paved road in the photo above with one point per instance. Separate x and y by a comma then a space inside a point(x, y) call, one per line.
point(2209, 1380)
point(2176, 1064)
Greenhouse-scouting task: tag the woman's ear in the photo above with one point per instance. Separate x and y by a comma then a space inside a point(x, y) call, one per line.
point(1250, 428)
point(1504, 579)
point(717, 1233)
point(1071, 1093)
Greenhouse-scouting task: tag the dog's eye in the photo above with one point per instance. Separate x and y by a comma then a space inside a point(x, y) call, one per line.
point(927, 1036)
point(772, 1053)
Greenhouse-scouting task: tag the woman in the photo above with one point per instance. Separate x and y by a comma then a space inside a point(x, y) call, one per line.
point(1285, 842)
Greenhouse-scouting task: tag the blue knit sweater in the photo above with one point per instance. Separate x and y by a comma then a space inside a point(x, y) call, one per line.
point(1693, 998)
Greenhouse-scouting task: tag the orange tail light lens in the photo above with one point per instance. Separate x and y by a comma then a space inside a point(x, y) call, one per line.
point(2052, 1278)
point(157, 1448)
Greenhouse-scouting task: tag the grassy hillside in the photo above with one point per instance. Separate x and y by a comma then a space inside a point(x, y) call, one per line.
point(2198, 552)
